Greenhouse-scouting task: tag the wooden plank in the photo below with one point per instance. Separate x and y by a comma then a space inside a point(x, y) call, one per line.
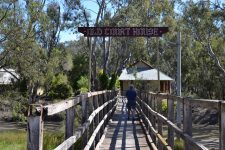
point(124, 134)
point(70, 116)
point(35, 133)
point(170, 105)
point(187, 121)
point(60, 106)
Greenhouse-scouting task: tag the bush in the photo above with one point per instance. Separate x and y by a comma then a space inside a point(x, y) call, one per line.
point(61, 91)
point(103, 80)
point(164, 107)
point(112, 82)
point(83, 84)
point(178, 144)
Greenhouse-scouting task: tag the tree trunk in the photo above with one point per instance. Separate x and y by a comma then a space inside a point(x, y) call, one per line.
point(215, 58)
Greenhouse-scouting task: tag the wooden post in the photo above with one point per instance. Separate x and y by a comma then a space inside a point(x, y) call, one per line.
point(160, 124)
point(222, 125)
point(170, 105)
point(84, 118)
point(92, 125)
point(35, 133)
point(149, 114)
point(187, 121)
point(70, 116)
point(96, 121)
point(153, 117)
point(102, 114)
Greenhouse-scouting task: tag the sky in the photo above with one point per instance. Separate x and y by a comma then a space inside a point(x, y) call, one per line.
point(92, 7)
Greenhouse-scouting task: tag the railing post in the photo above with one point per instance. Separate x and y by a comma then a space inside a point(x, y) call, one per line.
point(170, 104)
point(160, 124)
point(35, 131)
point(222, 125)
point(96, 121)
point(187, 121)
point(70, 116)
point(84, 118)
point(153, 117)
point(92, 126)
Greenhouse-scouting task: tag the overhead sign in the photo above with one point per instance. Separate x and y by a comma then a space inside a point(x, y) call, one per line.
point(123, 31)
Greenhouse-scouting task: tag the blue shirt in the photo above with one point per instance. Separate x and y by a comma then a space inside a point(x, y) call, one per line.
point(131, 96)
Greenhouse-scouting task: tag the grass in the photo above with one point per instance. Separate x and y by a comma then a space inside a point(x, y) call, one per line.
point(16, 140)
point(13, 140)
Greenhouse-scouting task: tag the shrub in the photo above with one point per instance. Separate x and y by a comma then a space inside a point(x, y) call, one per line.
point(61, 91)
point(164, 107)
point(103, 80)
point(83, 84)
point(112, 82)
point(178, 144)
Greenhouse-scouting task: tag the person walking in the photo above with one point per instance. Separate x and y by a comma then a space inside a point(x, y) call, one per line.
point(131, 101)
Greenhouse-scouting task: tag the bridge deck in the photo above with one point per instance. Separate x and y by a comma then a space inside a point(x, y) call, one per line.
point(123, 133)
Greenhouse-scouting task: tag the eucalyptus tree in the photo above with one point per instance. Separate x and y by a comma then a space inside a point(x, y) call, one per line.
point(204, 20)
point(32, 43)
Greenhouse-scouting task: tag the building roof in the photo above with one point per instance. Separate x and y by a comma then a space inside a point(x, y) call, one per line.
point(139, 72)
point(144, 75)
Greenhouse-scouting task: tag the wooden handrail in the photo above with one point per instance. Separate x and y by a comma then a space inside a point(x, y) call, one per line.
point(148, 104)
point(172, 125)
point(105, 106)
point(69, 142)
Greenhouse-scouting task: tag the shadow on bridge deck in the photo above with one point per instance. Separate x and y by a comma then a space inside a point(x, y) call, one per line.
point(123, 133)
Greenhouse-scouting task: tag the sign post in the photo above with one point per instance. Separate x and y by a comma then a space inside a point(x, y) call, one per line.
point(123, 32)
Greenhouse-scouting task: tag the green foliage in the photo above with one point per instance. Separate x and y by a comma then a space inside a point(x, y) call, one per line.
point(15, 139)
point(164, 107)
point(112, 83)
point(83, 84)
point(52, 140)
point(61, 91)
point(61, 88)
point(16, 103)
point(178, 144)
point(103, 80)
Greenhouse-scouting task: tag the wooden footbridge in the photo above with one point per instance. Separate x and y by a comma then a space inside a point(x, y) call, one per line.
point(105, 124)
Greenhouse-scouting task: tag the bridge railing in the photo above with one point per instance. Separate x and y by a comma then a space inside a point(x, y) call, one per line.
point(97, 107)
point(150, 108)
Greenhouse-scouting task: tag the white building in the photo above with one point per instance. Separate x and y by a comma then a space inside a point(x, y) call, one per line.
point(6, 77)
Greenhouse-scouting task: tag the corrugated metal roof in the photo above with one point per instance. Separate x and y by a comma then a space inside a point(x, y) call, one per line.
point(150, 74)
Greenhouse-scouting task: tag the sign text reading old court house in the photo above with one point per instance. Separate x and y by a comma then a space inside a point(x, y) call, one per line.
point(123, 31)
